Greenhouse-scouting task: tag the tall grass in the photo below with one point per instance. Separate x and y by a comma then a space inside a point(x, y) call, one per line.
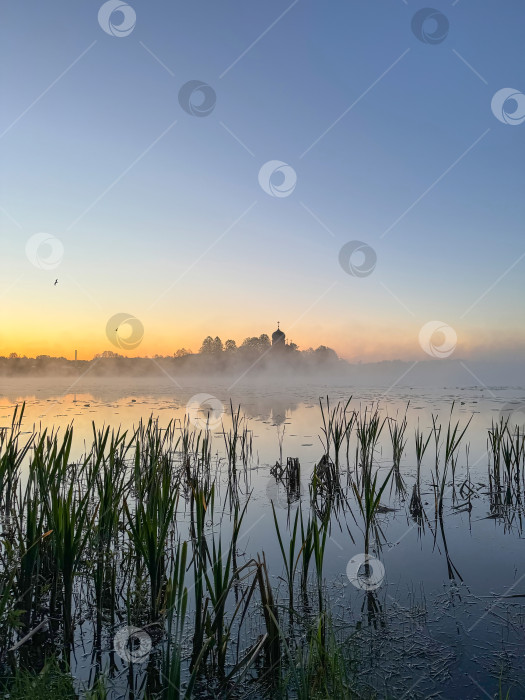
point(149, 526)
point(453, 439)
point(12, 455)
point(139, 530)
point(397, 429)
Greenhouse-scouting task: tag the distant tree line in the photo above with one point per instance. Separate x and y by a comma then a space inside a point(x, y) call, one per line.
point(210, 348)
point(258, 345)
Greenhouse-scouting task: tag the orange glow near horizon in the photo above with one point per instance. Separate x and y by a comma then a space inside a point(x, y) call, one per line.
point(353, 342)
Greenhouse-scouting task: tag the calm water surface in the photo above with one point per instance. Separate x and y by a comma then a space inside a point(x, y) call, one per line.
point(445, 624)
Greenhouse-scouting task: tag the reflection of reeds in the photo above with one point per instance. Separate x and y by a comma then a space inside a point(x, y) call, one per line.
point(289, 477)
point(326, 493)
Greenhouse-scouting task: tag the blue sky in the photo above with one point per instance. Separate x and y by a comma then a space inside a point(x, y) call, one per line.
point(156, 238)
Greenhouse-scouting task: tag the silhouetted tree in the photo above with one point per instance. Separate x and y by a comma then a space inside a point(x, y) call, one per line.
point(230, 346)
point(211, 345)
point(324, 353)
point(264, 342)
point(181, 352)
point(108, 354)
point(207, 345)
point(258, 345)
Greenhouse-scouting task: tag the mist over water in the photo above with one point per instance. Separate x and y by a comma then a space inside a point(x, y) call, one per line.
point(300, 369)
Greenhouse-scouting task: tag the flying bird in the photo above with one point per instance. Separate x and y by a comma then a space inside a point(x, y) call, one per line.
point(56, 282)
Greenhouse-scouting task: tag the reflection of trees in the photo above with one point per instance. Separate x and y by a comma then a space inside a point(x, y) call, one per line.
point(271, 407)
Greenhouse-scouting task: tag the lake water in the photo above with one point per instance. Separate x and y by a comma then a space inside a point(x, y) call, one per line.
point(447, 625)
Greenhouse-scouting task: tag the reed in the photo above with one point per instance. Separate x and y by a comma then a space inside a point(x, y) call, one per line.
point(369, 429)
point(149, 525)
point(326, 493)
point(69, 519)
point(176, 606)
point(12, 455)
point(336, 427)
point(368, 499)
point(453, 439)
point(290, 557)
point(201, 501)
point(416, 503)
point(397, 430)
point(220, 577)
point(289, 477)
point(421, 444)
point(232, 437)
point(320, 532)
point(29, 537)
point(111, 487)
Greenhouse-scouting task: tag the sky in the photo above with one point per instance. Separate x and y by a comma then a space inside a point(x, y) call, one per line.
point(385, 132)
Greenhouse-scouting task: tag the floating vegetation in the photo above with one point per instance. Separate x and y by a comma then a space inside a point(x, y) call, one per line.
point(289, 477)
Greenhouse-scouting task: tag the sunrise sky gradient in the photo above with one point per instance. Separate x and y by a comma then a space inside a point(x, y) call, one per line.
point(161, 214)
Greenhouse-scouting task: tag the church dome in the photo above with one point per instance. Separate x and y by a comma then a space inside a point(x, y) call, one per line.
point(278, 336)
